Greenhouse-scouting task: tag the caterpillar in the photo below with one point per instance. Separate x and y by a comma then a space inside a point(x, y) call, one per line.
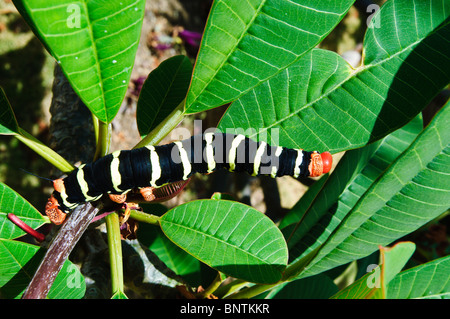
point(150, 167)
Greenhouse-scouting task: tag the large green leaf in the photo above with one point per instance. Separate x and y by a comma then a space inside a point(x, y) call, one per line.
point(354, 174)
point(11, 202)
point(322, 103)
point(247, 42)
point(230, 237)
point(412, 191)
point(95, 43)
point(427, 281)
point(18, 263)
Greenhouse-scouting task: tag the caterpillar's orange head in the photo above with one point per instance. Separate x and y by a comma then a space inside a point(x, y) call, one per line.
point(52, 209)
point(320, 163)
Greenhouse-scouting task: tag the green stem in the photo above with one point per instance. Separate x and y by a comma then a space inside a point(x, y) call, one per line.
point(103, 137)
point(252, 291)
point(103, 140)
point(230, 288)
point(165, 127)
point(44, 151)
point(95, 122)
point(144, 217)
point(212, 287)
point(115, 254)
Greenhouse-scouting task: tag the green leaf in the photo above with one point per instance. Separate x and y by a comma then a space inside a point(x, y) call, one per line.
point(94, 43)
point(248, 42)
point(230, 237)
point(11, 202)
point(322, 103)
point(366, 287)
point(18, 263)
point(353, 175)
point(8, 122)
point(427, 281)
point(164, 89)
point(68, 284)
point(412, 191)
point(394, 259)
point(373, 284)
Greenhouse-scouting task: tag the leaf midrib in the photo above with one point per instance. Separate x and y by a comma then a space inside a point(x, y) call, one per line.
point(229, 53)
point(97, 61)
point(217, 239)
point(13, 256)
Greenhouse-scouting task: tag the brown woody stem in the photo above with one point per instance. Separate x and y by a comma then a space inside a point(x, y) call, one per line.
point(59, 251)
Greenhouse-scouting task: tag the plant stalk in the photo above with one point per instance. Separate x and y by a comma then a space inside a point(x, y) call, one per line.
point(144, 217)
point(44, 151)
point(103, 136)
point(228, 289)
point(252, 291)
point(115, 254)
point(211, 288)
point(165, 127)
point(95, 123)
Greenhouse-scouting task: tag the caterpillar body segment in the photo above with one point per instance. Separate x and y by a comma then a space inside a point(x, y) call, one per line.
point(151, 167)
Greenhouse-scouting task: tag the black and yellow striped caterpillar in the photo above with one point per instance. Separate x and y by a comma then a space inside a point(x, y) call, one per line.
point(150, 167)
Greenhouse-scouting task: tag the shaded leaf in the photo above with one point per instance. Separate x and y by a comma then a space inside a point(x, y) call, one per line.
point(394, 259)
point(164, 89)
point(175, 258)
point(299, 210)
point(316, 287)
